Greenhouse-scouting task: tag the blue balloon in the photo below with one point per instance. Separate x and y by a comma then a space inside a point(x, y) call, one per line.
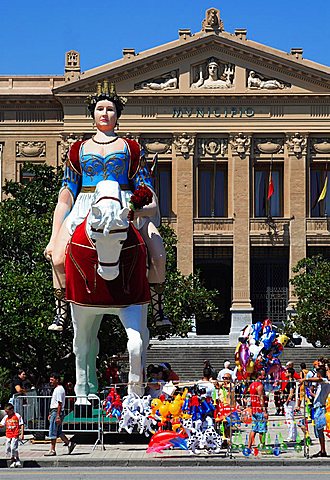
point(276, 451)
point(246, 451)
point(179, 443)
point(256, 330)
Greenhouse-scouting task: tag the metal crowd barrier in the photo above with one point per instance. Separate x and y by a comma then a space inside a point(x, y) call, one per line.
point(34, 410)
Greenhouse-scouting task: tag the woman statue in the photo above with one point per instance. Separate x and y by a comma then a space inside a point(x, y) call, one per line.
point(105, 156)
point(212, 80)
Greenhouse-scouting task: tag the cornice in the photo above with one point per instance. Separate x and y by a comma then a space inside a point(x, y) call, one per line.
point(208, 98)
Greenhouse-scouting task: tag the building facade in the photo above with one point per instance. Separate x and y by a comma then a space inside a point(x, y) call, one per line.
point(243, 141)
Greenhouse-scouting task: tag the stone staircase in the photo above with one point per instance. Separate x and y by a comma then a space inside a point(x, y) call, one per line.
point(186, 355)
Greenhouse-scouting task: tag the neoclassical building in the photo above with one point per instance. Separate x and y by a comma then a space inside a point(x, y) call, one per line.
point(242, 135)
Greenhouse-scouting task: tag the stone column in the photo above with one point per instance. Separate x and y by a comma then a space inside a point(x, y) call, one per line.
point(184, 149)
point(1, 179)
point(241, 310)
point(296, 157)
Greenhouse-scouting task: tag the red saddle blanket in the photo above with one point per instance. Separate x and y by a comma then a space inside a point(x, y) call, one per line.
point(84, 286)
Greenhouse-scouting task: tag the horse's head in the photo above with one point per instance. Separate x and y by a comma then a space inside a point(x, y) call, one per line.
point(108, 226)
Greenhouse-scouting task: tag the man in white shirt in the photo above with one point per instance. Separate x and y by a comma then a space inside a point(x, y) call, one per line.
point(56, 415)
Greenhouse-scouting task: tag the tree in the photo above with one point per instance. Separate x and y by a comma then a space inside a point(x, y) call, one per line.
point(185, 295)
point(26, 303)
point(312, 286)
point(26, 293)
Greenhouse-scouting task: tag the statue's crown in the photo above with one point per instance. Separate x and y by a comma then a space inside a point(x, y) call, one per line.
point(105, 90)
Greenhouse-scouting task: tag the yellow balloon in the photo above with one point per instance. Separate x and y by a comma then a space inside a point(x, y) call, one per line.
point(175, 408)
point(164, 409)
point(250, 366)
point(283, 339)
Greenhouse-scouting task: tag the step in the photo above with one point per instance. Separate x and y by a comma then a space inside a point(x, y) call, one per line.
point(187, 360)
point(200, 340)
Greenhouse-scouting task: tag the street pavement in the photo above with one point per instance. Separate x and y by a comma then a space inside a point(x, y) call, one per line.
point(124, 450)
point(184, 473)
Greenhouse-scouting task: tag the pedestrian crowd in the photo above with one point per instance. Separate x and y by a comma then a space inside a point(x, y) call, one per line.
point(301, 396)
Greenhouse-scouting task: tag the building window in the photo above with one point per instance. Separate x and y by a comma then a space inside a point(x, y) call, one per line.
point(164, 188)
point(212, 191)
point(24, 175)
point(268, 191)
point(319, 191)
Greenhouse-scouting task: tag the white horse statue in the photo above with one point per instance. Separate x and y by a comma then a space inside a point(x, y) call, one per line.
point(106, 274)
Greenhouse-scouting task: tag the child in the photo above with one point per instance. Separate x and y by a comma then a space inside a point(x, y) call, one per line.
point(14, 430)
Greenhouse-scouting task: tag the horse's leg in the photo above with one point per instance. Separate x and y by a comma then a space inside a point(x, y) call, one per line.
point(94, 348)
point(133, 320)
point(82, 320)
point(145, 339)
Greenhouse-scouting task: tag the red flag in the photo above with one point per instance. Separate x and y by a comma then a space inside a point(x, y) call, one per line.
point(270, 186)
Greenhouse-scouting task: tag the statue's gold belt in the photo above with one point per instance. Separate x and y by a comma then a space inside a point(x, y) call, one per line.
point(91, 189)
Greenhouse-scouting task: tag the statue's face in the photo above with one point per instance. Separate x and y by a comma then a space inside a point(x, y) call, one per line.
point(105, 115)
point(213, 69)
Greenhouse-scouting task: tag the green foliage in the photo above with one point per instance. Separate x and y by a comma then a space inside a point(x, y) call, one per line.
point(185, 296)
point(4, 386)
point(26, 300)
point(312, 286)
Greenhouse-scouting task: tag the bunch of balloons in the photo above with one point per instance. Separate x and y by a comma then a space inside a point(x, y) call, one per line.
point(136, 413)
point(112, 404)
point(259, 347)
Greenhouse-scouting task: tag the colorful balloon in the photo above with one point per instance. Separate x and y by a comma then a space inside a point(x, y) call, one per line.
point(246, 451)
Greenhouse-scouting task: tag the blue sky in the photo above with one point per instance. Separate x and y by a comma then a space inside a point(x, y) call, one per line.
point(35, 34)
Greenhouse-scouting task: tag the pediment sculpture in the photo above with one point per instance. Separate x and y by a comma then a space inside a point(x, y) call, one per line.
point(214, 75)
point(168, 81)
point(256, 81)
point(212, 21)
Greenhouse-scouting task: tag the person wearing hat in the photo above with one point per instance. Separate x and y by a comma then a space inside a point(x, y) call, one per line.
point(226, 370)
point(169, 375)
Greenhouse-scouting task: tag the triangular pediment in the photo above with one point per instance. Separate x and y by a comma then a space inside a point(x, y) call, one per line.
point(208, 64)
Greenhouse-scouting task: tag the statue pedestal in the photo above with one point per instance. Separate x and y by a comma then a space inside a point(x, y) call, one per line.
point(239, 319)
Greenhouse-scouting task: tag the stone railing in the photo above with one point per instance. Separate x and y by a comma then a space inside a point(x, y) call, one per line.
point(318, 225)
point(274, 231)
point(213, 225)
point(262, 225)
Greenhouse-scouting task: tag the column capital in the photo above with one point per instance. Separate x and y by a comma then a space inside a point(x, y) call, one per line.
point(67, 139)
point(240, 144)
point(184, 144)
point(296, 144)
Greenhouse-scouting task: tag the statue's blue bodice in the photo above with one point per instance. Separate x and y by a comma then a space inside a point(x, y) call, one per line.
point(95, 167)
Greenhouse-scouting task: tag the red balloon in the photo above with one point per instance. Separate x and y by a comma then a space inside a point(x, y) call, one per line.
point(163, 437)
